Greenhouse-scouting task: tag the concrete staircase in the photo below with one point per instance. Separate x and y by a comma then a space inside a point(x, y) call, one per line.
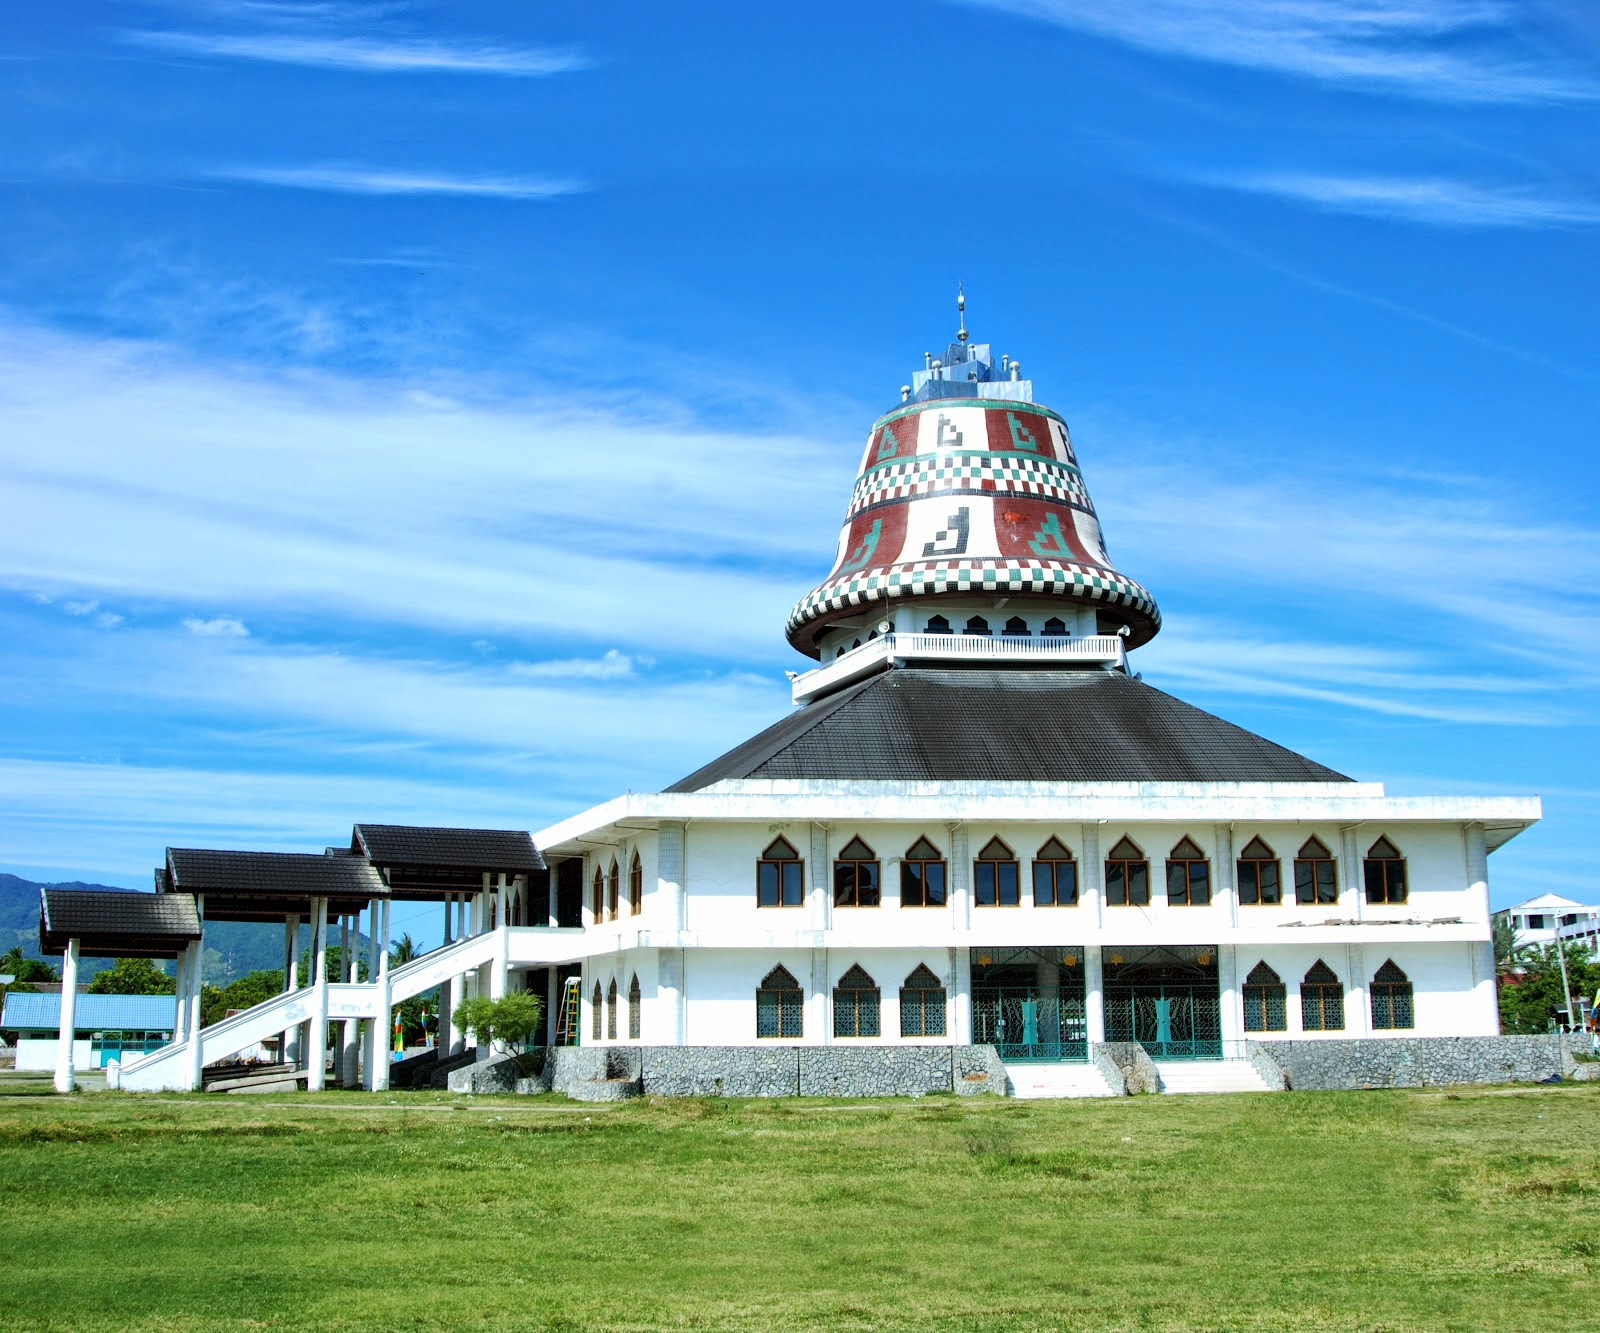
point(1186, 1076)
point(1056, 1080)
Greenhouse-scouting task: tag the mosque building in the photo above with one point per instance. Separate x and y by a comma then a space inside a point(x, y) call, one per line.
point(978, 828)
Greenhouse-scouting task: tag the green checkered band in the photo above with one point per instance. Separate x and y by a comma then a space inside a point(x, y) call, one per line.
point(991, 474)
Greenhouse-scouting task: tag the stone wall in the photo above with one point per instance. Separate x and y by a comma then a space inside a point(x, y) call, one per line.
point(1137, 1068)
point(1410, 1062)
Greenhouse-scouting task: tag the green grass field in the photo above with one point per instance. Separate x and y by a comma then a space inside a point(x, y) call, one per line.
point(1383, 1210)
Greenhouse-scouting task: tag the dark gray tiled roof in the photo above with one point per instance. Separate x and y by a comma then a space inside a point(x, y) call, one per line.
point(271, 874)
point(986, 725)
point(468, 848)
point(106, 920)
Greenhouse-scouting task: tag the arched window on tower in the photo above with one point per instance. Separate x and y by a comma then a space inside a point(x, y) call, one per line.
point(922, 876)
point(996, 877)
point(1259, 881)
point(635, 886)
point(611, 1011)
point(1055, 628)
point(1385, 872)
point(597, 899)
point(937, 625)
point(855, 876)
point(1017, 628)
point(594, 1013)
point(633, 1008)
point(780, 875)
point(1127, 876)
point(922, 1002)
point(1391, 998)
point(613, 888)
point(977, 625)
point(1265, 1001)
point(780, 1005)
point(855, 1004)
point(1188, 876)
point(1316, 879)
point(1321, 1000)
point(1055, 876)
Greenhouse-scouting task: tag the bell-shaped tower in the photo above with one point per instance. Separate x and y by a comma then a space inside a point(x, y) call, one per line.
point(970, 517)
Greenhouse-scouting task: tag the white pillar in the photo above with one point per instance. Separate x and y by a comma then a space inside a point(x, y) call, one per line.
point(317, 1055)
point(1229, 998)
point(1481, 952)
point(1227, 871)
point(1094, 993)
point(1091, 878)
point(383, 1024)
point(671, 861)
point(961, 1029)
point(502, 956)
point(1353, 895)
point(819, 1014)
point(66, 1079)
point(197, 1061)
point(180, 983)
point(960, 877)
point(1357, 1016)
point(673, 1011)
point(291, 961)
point(819, 893)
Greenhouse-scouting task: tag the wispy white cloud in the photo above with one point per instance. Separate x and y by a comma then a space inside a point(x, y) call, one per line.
point(1431, 200)
point(1452, 50)
point(612, 666)
point(375, 55)
point(339, 178)
point(219, 627)
point(87, 608)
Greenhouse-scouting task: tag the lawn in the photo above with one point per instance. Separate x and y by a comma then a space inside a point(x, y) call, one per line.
point(1381, 1210)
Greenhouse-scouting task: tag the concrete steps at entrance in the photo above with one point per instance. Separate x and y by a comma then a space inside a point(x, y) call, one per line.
point(1056, 1080)
point(1184, 1076)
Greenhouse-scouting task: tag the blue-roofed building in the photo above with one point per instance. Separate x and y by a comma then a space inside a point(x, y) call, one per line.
point(109, 1027)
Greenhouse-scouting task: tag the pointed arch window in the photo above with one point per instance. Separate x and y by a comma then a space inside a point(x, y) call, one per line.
point(1260, 883)
point(1265, 1001)
point(611, 1010)
point(1385, 872)
point(923, 882)
point(1316, 879)
point(633, 1008)
point(780, 1005)
point(780, 876)
point(938, 625)
point(922, 1004)
point(856, 1002)
point(635, 886)
point(1127, 876)
point(1017, 627)
point(856, 878)
point(594, 1013)
point(1188, 876)
point(1055, 876)
point(1321, 1000)
point(597, 898)
point(996, 876)
point(1391, 998)
point(1055, 628)
point(613, 889)
point(977, 625)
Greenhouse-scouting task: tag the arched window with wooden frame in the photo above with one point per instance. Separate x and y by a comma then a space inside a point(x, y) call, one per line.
point(1266, 1000)
point(613, 889)
point(780, 1005)
point(1384, 870)
point(611, 1011)
point(923, 882)
point(635, 886)
point(978, 626)
point(996, 876)
point(922, 1004)
point(857, 878)
point(1321, 1000)
point(594, 1012)
point(633, 1008)
point(1188, 876)
point(780, 876)
point(1055, 876)
point(856, 1002)
point(597, 899)
point(1391, 994)
point(1260, 882)
point(1127, 876)
point(1316, 876)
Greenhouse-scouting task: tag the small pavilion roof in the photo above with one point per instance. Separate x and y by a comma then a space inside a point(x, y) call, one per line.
point(114, 923)
point(268, 886)
point(424, 862)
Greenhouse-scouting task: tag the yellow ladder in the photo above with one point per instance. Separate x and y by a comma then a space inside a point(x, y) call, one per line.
point(567, 1018)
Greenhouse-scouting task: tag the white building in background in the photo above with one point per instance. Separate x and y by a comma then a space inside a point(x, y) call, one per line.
point(1538, 921)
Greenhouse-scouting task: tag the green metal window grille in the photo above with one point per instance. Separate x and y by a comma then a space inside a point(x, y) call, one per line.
point(922, 876)
point(922, 1004)
point(633, 1008)
point(611, 1010)
point(1265, 1001)
point(1055, 876)
point(594, 1013)
point(1315, 878)
point(780, 876)
point(1259, 881)
point(1321, 1000)
point(780, 1005)
point(1188, 876)
point(1127, 876)
point(1385, 873)
point(855, 876)
point(856, 1005)
point(1391, 998)
point(1166, 998)
point(996, 877)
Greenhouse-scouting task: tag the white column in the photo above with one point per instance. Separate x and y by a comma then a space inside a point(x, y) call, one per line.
point(1229, 997)
point(291, 959)
point(1091, 878)
point(1357, 1016)
point(673, 1012)
point(819, 868)
point(196, 981)
point(819, 1018)
point(671, 858)
point(500, 972)
point(961, 1027)
point(1353, 891)
point(317, 1055)
point(1094, 993)
point(552, 1002)
point(1226, 871)
point(66, 1079)
point(960, 877)
point(382, 1025)
point(180, 982)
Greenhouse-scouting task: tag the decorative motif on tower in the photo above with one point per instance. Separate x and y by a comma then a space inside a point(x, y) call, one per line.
point(971, 490)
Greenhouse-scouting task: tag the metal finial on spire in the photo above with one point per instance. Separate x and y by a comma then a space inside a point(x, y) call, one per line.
point(961, 306)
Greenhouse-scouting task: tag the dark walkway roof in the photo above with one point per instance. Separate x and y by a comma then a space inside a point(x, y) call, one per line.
point(985, 725)
point(111, 924)
point(494, 850)
point(267, 886)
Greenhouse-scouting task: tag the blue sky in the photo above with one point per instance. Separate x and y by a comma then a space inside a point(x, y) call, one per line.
point(428, 413)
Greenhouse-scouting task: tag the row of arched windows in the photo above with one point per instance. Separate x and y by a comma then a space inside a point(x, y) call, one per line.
point(605, 892)
point(857, 1005)
point(607, 1005)
point(1389, 997)
point(997, 875)
point(1015, 628)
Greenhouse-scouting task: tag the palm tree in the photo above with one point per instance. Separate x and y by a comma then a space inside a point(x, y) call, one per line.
point(403, 950)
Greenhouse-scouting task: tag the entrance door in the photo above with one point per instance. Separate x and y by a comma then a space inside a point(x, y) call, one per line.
point(1028, 1003)
point(1166, 999)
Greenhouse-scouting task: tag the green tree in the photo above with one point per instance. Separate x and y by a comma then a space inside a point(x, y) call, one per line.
point(403, 950)
point(26, 970)
point(132, 976)
point(248, 991)
point(1506, 948)
point(1530, 995)
point(505, 1024)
